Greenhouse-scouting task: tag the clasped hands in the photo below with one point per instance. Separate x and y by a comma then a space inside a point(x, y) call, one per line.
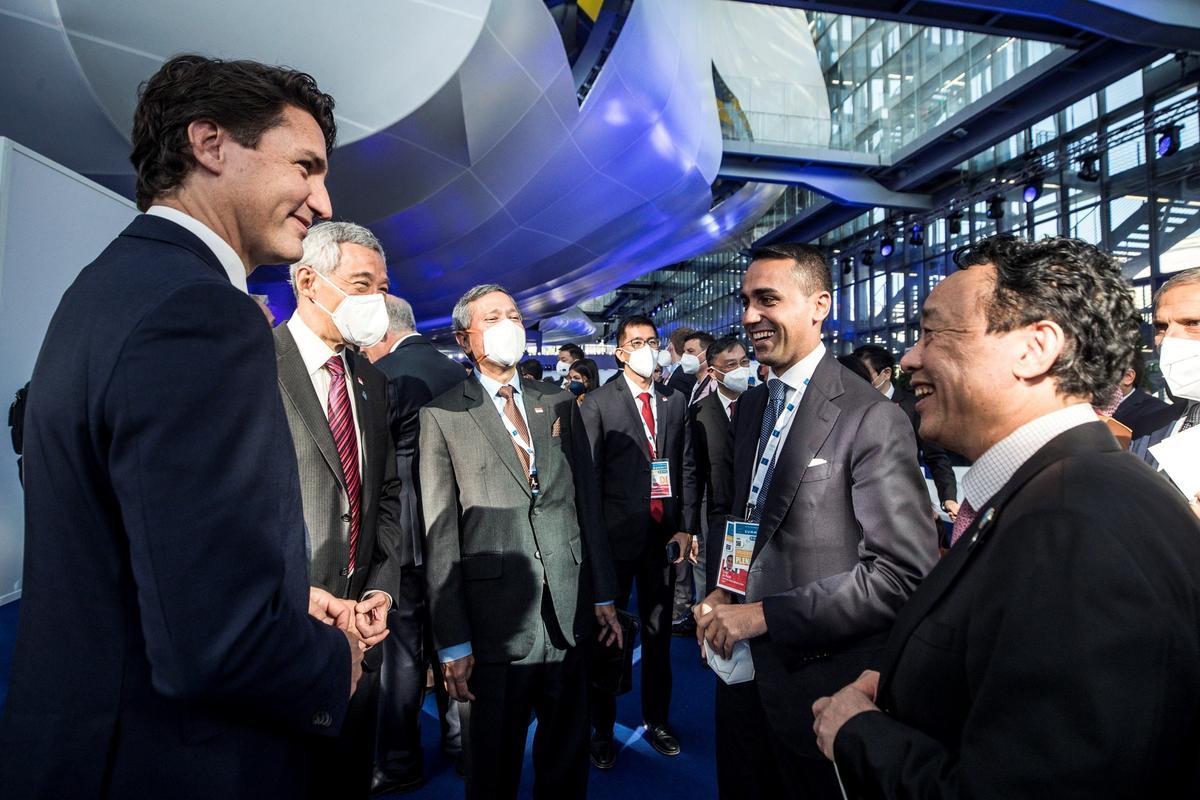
point(367, 618)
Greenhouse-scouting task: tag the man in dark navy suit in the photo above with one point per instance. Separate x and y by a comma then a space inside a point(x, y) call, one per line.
point(1136, 404)
point(165, 645)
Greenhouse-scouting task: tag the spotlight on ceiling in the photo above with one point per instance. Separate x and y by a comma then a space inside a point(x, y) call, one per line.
point(916, 234)
point(1033, 189)
point(1089, 170)
point(1168, 139)
point(954, 223)
point(887, 246)
point(847, 265)
point(995, 209)
point(868, 258)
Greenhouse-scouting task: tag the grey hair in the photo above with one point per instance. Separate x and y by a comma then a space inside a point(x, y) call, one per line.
point(462, 309)
point(400, 314)
point(1185, 278)
point(321, 247)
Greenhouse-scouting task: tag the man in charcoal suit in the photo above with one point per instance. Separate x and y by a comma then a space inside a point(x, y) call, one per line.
point(844, 533)
point(416, 373)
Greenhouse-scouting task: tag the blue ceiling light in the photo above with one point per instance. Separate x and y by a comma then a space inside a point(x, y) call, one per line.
point(916, 234)
point(995, 209)
point(1033, 188)
point(886, 247)
point(1168, 139)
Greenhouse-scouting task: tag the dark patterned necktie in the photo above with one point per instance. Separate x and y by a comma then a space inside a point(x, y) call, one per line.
point(341, 424)
point(966, 515)
point(777, 390)
point(1192, 418)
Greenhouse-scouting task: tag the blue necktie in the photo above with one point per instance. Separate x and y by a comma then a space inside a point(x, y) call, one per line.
point(777, 389)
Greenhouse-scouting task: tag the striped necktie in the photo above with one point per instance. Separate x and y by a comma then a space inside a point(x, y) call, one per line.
point(341, 424)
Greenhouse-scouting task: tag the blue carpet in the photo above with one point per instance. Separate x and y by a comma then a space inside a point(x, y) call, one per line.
point(640, 773)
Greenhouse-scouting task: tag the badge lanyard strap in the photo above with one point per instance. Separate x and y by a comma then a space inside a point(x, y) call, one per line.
point(521, 443)
point(646, 430)
point(770, 451)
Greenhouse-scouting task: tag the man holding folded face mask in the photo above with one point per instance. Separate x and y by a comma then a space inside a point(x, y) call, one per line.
point(337, 412)
point(642, 451)
point(835, 531)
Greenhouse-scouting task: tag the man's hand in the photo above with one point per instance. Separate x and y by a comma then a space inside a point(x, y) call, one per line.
point(610, 626)
point(357, 648)
point(728, 624)
point(832, 712)
point(951, 507)
point(456, 674)
point(329, 609)
point(370, 618)
point(694, 555)
point(717, 597)
point(685, 545)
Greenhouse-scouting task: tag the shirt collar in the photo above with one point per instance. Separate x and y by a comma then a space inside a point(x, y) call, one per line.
point(492, 386)
point(1001, 461)
point(891, 391)
point(313, 350)
point(220, 248)
point(802, 370)
point(402, 340)
point(633, 387)
point(725, 401)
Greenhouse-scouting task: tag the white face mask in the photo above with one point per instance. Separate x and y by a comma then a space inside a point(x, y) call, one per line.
point(754, 367)
point(736, 380)
point(361, 319)
point(504, 343)
point(664, 358)
point(562, 368)
point(642, 360)
point(689, 364)
point(1179, 360)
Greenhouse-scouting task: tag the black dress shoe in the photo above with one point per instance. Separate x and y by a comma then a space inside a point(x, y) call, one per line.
point(662, 740)
point(602, 752)
point(383, 783)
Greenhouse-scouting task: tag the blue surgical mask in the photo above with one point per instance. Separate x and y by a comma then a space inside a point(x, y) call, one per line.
point(576, 388)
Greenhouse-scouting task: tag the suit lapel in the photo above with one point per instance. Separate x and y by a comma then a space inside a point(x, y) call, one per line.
point(634, 412)
point(298, 387)
point(1092, 437)
point(539, 424)
point(661, 428)
point(812, 425)
point(483, 411)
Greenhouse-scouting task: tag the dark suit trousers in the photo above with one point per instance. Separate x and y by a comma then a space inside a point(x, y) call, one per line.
point(655, 593)
point(406, 657)
point(754, 761)
point(342, 767)
point(551, 682)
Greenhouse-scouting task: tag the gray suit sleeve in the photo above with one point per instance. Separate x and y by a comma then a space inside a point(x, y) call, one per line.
point(896, 549)
point(443, 551)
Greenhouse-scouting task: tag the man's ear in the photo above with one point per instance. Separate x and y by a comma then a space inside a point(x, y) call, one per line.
point(1043, 343)
point(305, 278)
point(209, 142)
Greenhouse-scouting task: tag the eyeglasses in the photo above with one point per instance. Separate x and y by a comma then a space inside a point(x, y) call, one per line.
point(638, 344)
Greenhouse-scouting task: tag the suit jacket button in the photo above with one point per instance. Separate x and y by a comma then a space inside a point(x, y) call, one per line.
point(537, 554)
point(322, 719)
point(346, 517)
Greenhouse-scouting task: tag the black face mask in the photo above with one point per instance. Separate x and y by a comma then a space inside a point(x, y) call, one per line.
point(576, 388)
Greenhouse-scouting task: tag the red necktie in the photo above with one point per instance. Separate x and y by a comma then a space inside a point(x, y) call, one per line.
point(341, 424)
point(656, 505)
point(966, 515)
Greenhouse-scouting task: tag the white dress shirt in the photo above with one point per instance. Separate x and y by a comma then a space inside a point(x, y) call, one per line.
point(796, 379)
point(725, 403)
point(1001, 461)
point(314, 353)
point(637, 392)
point(233, 265)
point(491, 387)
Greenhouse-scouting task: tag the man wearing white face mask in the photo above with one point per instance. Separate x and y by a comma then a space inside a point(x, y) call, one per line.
point(518, 567)
point(336, 408)
point(1177, 336)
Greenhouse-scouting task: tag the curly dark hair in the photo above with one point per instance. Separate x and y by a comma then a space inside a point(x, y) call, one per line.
point(1073, 284)
point(244, 97)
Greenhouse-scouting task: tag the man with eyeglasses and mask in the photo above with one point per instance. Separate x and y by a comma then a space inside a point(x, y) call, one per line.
point(517, 566)
point(642, 451)
point(729, 370)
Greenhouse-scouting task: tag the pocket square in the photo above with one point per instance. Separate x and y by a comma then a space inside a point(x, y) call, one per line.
point(816, 462)
point(556, 428)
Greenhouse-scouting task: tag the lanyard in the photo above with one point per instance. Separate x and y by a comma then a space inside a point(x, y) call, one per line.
point(646, 428)
point(521, 443)
point(771, 451)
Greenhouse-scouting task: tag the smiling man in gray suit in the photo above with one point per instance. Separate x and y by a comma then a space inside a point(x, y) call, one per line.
point(519, 571)
point(844, 533)
point(337, 412)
